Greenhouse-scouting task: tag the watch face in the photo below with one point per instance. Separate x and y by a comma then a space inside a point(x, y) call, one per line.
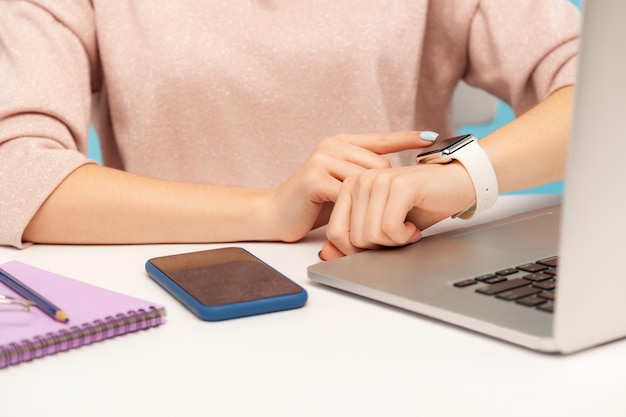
point(440, 151)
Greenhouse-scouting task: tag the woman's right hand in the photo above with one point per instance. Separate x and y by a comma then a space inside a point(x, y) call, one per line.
point(302, 202)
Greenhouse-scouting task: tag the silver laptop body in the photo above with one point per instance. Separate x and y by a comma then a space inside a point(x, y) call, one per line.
point(587, 231)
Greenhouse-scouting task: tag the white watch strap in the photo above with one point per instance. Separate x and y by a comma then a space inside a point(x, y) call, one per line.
point(483, 176)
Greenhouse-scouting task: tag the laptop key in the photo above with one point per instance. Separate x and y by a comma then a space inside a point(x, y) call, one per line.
point(545, 285)
point(548, 306)
point(531, 301)
point(538, 276)
point(516, 293)
point(548, 295)
point(553, 261)
point(503, 286)
point(507, 271)
point(532, 267)
point(551, 271)
point(465, 283)
point(485, 277)
point(494, 279)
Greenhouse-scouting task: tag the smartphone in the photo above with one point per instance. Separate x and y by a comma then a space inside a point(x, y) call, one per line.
point(226, 283)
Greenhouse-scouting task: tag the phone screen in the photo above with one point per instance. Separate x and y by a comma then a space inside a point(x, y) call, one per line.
point(226, 276)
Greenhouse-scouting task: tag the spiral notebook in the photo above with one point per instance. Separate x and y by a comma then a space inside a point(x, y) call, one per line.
point(95, 314)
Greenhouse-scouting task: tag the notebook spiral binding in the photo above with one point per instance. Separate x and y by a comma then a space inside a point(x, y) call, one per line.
point(76, 336)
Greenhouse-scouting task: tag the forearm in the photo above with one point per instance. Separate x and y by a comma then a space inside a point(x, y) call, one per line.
point(532, 149)
point(105, 206)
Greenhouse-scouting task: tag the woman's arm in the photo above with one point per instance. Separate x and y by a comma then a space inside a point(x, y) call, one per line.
point(391, 206)
point(532, 149)
point(96, 204)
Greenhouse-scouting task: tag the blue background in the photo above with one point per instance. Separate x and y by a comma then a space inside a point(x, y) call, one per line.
point(505, 115)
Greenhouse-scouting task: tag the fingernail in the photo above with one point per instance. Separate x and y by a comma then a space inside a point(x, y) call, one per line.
point(429, 136)
point(319, 255)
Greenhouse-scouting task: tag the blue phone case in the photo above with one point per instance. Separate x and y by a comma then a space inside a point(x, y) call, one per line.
point(229, 310)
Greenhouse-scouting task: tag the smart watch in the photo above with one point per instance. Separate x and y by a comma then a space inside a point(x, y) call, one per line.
point(467, 151)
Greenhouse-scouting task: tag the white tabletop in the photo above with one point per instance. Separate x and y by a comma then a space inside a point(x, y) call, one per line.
point(340, 355)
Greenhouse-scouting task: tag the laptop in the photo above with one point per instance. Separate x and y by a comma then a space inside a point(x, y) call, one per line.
point(551, 279)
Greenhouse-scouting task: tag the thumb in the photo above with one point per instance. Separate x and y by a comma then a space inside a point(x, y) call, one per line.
point(330, 251)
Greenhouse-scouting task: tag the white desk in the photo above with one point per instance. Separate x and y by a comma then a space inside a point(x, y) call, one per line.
point(340, 355)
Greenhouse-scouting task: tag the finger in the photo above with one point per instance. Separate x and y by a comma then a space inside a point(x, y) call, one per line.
point(348, 155)
point(385, 222)
point(354, 163)
point(383, 143)
point(368, 205)
point(394, 216)
point(321, 188)
point(330, 251)
point(338, 230)
point(381, 201)
point(403, 234)
point(325, 182)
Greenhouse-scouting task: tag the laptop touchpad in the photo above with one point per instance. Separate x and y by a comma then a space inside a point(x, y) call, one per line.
point(537, 230)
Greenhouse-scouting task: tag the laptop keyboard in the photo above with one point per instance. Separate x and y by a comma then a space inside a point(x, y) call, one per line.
point(532, 285)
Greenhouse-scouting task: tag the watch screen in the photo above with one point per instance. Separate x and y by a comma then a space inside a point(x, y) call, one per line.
point(438, 146)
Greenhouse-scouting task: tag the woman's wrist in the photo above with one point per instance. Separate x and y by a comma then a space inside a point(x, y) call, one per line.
point(264, 220)
point(464, 193)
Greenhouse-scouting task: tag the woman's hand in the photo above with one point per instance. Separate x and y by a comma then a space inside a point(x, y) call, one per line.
point(390, 207)
point(303, 202)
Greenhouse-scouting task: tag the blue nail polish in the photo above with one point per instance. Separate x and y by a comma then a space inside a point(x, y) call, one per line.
point(429, 136)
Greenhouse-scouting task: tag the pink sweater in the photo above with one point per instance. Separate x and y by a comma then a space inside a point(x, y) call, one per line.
point(240, 92)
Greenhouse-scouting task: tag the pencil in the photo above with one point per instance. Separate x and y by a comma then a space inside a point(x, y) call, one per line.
point(24, 291)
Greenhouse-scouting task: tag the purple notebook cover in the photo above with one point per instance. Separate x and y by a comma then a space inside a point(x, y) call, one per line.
point(94, 314)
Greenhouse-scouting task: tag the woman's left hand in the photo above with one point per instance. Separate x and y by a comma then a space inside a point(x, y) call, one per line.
point(390, 207)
